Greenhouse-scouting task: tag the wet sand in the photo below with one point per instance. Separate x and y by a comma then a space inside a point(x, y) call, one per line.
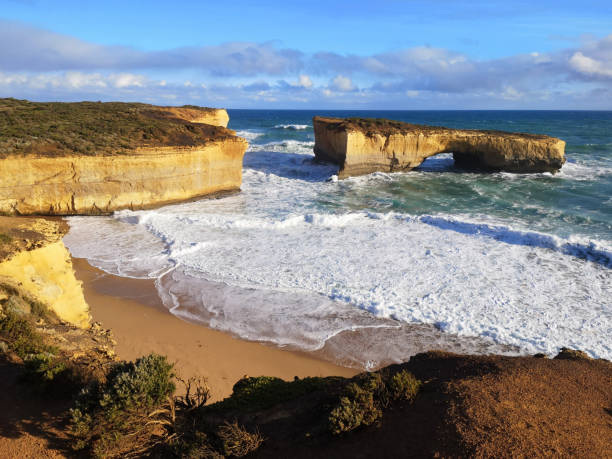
point(141, 324)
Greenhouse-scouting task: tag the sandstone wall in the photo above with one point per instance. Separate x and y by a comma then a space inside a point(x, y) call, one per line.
point(358, 152)
point(93, 185)
point(213, 116)
point(37, 262)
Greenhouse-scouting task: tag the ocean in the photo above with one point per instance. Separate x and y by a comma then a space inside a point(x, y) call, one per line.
point(370, 270)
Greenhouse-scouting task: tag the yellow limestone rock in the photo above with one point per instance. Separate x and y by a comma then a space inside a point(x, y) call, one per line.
point(41, 266)
point(212, 116)
point(361, 146)
point(144, 178)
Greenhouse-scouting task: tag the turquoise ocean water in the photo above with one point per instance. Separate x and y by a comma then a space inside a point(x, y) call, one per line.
point(299, 257)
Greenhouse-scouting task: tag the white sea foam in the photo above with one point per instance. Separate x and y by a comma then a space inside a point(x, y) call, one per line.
point(249, 134)
point(582, 172)
point(294, 127)
point(269, 264)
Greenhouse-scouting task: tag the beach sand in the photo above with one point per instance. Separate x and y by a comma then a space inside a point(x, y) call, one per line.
point(141, 324)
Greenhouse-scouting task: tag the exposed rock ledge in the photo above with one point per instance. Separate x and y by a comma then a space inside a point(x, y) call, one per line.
point(361, 146)
point(95, 158)
point(95, 185)
point(34, 260)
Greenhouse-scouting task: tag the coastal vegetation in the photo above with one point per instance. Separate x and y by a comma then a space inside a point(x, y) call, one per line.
point(95, 128)
point(437, 403)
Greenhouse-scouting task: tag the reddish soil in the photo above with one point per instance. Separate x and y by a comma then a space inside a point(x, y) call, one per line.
point(474, 406)
point(31, 425)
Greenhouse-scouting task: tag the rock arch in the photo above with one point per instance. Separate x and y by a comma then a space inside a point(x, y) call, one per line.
point(361, 146)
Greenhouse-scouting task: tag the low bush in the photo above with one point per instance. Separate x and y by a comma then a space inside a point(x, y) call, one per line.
point(237, 441)
point(361, 406)
point(21, 335)
point(129, 411)
point(404, 386)
point(364, 399)
point(258, 393)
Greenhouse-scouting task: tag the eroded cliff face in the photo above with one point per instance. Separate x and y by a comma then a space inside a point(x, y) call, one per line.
point(94, 185)
point(33, 259)
point(363, 146)
point(212, 116)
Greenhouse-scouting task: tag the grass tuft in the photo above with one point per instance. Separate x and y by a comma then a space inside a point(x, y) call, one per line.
point(237, 441)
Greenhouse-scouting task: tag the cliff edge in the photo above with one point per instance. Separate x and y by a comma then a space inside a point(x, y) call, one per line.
point(361, 146)
point(34, 260)
point(94, 158)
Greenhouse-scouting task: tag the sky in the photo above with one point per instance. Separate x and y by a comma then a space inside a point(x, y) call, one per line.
point(333, 54)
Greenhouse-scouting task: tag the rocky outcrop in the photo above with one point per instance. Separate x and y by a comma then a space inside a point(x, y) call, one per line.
point(94, 185)
point(212, 116)
point(34, 260)
point(94, 158)
point(361, 146)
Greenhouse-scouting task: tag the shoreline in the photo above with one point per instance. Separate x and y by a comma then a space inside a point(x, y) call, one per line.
point(140, 324)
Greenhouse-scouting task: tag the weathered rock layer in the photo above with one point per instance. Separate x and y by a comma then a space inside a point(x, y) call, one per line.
point(362, 146)
point(95, 158)
point(33, 259)
point(94, 185)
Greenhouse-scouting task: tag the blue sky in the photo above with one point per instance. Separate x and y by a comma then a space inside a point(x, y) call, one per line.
point(395, 54)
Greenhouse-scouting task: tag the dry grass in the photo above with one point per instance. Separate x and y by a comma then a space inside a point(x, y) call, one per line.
point(95, 128)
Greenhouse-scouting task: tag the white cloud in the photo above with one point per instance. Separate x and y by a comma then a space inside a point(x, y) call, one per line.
point(342, 83)
point(590, 66)
point(305, 82)
point(126, 80)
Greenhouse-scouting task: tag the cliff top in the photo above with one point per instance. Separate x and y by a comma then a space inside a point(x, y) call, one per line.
point(370, 126)
point(96, 128)
point(18, 234)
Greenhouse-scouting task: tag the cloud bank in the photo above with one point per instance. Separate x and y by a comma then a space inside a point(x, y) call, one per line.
point(44, 65)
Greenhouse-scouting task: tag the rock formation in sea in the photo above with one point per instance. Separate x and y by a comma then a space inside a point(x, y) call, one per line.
point(94, 158)
point(361, 146)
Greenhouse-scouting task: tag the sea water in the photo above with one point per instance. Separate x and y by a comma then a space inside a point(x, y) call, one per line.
point(521, 263)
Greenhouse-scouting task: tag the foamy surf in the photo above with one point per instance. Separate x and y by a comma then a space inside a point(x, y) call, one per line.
point(474, 262)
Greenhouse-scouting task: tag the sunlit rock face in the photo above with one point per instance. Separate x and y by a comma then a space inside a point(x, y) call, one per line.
point(361, 146)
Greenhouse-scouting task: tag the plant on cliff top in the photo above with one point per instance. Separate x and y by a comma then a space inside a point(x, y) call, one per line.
point(404, 386)
point(365, 399)
point(127, 412)
point(237, 441)
point(258, 393)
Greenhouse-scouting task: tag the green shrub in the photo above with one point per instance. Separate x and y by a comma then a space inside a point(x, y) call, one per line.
point(404, 386)
point(360, 407)
point(43, 368)
point(364, 399)
point(39, 310)
point(257, 393)
point(132, 402)
point(237, 441)
point(21, 335)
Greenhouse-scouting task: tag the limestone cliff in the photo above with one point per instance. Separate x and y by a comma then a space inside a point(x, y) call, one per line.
point(362, 146)
point(94, 185)
point(212, 116)
point(95, 158)
point(33, 259)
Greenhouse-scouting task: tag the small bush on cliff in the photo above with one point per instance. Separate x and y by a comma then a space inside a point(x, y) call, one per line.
point(237, 441)
point(361, 406)
point(364, 399)
point(21, 335)
point(258, 393)
point(128, 411)
point(404, 386)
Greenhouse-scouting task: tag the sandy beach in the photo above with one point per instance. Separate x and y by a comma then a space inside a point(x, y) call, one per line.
point(133, 311)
